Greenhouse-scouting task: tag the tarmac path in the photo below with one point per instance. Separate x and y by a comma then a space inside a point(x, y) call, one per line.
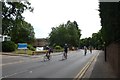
point(35, 67)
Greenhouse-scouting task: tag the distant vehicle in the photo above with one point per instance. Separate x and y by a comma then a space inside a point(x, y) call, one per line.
point(4, 38)
point(39, 48)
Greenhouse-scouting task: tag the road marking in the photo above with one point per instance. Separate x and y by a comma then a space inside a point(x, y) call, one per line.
point(14, 74)
point(21, 71)
point(25, 61)
point(19, 62)
point(85, 68)
point(6, 57)
point(11, 63)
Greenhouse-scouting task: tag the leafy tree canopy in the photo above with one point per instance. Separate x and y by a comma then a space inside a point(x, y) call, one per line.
point(110, 21)
point(96, 41)
point(13, 23)
point(65, 33)
point(12, 11)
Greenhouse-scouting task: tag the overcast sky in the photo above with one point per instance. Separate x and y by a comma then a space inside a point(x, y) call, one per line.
point(52, 13)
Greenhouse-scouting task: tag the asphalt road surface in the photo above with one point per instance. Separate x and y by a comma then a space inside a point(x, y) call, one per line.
point(35, 67)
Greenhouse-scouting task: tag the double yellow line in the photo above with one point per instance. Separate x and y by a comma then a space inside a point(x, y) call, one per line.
point(85, 68)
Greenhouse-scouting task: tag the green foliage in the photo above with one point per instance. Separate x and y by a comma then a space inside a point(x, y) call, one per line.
point(65, 33)
point(12, 11)
point(110, 21)
point(13, 23)
point(8, 46)
point(58, 47)
point(22, 33)
point(30, 47)
point(84, 42)
point(95, 41)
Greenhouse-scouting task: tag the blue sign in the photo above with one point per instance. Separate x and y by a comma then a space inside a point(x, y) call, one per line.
point(22, 45)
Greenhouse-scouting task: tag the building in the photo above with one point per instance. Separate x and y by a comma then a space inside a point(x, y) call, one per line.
point(40, 42)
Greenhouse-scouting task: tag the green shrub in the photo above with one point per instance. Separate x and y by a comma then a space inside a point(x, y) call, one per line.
point(30, 47)
point(58, 47)
point(58, 50)
point(8, 46)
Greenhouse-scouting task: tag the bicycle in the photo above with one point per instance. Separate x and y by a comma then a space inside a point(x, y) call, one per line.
point(47, 57)
point(64, 56)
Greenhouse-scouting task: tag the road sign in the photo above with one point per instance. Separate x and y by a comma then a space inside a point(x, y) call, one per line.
point(22, 45)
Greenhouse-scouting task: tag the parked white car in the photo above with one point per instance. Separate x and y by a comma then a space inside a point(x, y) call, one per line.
point(4, 38)
point(39, 48)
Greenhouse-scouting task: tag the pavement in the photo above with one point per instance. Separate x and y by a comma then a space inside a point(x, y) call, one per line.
point(100, 69)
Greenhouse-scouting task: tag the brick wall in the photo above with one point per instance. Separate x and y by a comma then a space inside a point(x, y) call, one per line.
point(113, 56)
point(40, 42)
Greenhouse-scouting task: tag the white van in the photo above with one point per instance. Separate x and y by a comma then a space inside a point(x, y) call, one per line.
point(4, 38)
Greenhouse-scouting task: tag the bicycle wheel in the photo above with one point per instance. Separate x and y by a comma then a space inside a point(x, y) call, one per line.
point(63, 56)
point(50, 57)
point(45, 58)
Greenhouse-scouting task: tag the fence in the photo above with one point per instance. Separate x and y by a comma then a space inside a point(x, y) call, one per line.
point(113, 56)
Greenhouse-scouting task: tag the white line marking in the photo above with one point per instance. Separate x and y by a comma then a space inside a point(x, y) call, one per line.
point(14, 74)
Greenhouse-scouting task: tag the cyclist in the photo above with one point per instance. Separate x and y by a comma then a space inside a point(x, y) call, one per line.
point(48, 53)
point(90, 48)
point(65, 51)
point(85, 48)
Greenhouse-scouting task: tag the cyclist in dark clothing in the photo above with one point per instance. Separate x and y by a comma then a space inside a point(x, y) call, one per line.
point(48, 53)
point(85, 48)
point(65, 51)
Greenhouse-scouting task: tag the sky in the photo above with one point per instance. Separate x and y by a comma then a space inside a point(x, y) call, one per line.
point(52, 13)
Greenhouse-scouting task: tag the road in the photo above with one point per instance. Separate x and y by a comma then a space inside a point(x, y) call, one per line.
point(35, 67)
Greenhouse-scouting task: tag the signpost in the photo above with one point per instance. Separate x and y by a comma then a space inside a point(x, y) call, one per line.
point(22, 46)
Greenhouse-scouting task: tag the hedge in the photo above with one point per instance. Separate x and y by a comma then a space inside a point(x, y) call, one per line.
point(8, 46)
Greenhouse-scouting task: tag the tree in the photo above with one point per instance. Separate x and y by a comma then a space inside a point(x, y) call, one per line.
point(84, 42)
point(110, 21)
point(13, 22)
point(12, 11)
point(24, 33)
point(65, 33)
point(74, 33)
point(58, 36)
point(96, 41)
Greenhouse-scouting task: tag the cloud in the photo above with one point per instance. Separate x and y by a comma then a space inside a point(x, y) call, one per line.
point(52, 13)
